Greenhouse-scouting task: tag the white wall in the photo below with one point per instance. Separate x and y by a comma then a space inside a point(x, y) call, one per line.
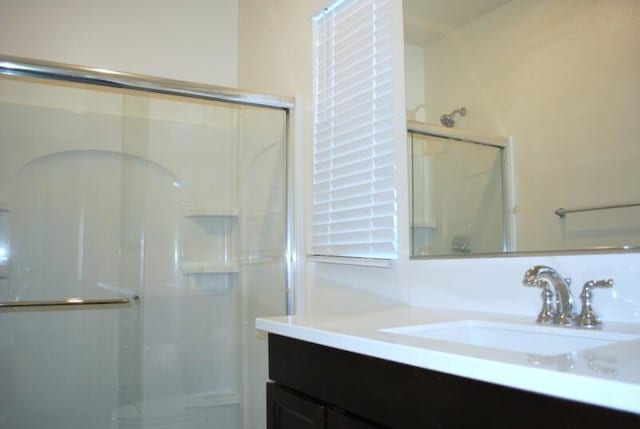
point(275, 56)
point(192, 40)
point(414, 76)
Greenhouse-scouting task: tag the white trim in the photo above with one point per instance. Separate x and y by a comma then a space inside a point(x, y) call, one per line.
point(347, 260)
point(510, 196)
point(327, 9)
point(437, 130)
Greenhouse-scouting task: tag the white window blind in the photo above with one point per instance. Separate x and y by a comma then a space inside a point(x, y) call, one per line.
point(354, 192)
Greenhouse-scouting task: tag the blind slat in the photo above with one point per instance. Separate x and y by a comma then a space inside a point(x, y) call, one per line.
point(367, 96)
point(376, 132)
point(326, 169)
point(342, 74)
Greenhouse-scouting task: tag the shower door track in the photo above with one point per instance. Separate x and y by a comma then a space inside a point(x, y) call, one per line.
point(18, 66)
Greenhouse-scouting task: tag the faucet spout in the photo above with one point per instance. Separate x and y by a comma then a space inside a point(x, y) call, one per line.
point(541, 275)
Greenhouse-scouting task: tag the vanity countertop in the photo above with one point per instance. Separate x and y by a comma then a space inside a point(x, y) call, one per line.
point(607, 376)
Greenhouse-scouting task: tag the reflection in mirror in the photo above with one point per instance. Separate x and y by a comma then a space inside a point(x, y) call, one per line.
point(457, 190)
point(560, 79)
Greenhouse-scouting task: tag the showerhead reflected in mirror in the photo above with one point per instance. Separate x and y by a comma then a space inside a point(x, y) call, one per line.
point(559, 78)
point(449, 119)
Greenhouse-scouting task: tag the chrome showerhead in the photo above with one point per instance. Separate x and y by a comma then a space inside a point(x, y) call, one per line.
point(448, 119)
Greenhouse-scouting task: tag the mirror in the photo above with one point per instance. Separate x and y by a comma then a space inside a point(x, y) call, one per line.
point(559, 81)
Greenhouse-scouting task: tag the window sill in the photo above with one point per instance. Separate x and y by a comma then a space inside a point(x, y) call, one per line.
point(348, 260)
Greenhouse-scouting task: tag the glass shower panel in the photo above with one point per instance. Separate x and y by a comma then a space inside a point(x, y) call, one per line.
point(189, 371)
point(61, 176)
point(109, 193)
point(457, 197)
point(262, 251)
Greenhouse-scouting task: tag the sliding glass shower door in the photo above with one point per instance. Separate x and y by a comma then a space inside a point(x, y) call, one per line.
point(156, 224)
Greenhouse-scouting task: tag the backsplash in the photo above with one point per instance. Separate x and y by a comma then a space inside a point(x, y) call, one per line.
point(495, 284)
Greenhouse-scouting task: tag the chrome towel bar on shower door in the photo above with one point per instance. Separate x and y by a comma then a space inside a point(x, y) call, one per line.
point(70, 302)
point(563, 212)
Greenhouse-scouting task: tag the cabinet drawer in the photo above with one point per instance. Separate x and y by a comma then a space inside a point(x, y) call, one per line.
point(286, 410)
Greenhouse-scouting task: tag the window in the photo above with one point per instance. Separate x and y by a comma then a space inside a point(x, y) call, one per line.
point(354, 168)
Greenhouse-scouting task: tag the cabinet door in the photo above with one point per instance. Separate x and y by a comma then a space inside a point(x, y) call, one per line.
point(337, 420)
point(286, 410)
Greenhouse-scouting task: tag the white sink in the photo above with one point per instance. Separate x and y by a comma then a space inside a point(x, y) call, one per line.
point(534, 339)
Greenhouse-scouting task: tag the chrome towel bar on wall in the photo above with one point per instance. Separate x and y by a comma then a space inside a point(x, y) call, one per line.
point(561, 213)
point(69, 302)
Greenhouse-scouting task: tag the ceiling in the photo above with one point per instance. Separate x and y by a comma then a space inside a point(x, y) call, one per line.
point(428, 20)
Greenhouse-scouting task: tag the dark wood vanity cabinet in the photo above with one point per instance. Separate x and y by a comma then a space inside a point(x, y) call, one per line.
point(314, 386)
point(291, 410)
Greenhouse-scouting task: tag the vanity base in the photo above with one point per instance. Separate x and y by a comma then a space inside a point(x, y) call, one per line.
point(381, 393)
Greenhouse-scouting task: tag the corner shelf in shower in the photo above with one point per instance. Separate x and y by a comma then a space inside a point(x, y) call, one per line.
point(4, 206)
point(212, 399)
point(189, 268)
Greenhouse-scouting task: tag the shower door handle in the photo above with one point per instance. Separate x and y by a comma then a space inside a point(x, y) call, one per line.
point(70, 302)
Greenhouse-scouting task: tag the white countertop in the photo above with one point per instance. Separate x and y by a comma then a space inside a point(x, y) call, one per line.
point(608, 376)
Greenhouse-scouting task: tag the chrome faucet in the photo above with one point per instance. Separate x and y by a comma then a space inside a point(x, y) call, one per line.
point(560, 311)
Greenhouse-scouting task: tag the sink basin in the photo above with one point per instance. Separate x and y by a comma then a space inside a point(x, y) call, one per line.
point(540, 340)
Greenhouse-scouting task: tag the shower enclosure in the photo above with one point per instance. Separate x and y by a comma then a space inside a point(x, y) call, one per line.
point(143, 227)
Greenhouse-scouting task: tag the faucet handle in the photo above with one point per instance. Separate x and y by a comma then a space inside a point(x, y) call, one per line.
point(588, 317)
point(548, 311)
